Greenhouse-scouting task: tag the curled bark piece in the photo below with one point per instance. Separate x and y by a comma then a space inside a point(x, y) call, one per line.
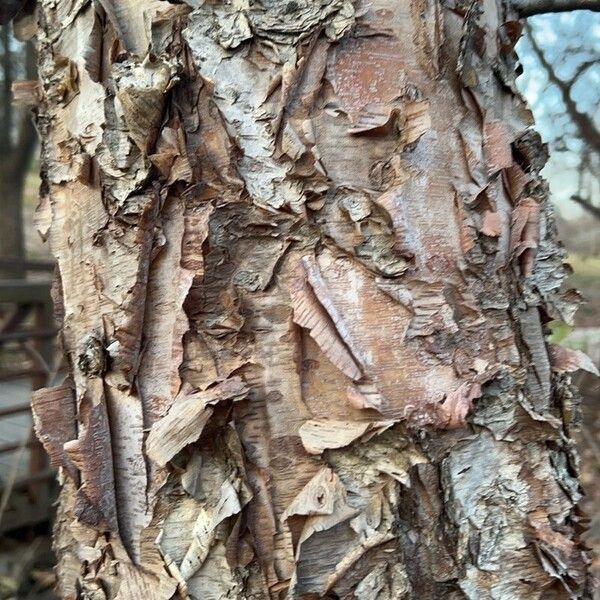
point(318, 496)
point(525, 233)
point(188, 415)
point(496, 146)
point(374, 528)
point(411, 120)
point(26, 93)
point(336, 510)
point(54, 422)
point(566, 360)
point(220, 492)
point(126, 422)
point(320, 435)
point(310, 313)
point(128, 18)
point(364, 396)
point(141, 94)
point(91, 453)
point(458, 403)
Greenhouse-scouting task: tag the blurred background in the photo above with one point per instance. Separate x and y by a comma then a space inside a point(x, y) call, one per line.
point(560, 55)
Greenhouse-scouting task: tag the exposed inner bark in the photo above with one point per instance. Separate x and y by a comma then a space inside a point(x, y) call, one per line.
point(306, 261)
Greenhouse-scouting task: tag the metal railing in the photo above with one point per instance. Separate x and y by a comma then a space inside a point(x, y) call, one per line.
point(27, 330)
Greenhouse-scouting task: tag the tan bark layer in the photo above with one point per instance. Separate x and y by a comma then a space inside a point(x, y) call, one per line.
point(306, 261)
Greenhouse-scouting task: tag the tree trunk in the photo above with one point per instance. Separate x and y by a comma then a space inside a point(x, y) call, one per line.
point(17, 145)
point(306, 261)
point(11, 224)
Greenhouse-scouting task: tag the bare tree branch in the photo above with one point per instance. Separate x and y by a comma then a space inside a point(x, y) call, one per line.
point(528, 8)
point(587, 205)
point(581, 68)
point(585, 125)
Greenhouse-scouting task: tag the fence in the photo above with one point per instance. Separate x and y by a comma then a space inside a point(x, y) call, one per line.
point(27, 351)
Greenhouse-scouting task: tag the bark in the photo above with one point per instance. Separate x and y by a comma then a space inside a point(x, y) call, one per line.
point(306, 261)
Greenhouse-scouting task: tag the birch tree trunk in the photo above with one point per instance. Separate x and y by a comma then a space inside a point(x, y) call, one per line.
point(306, 261)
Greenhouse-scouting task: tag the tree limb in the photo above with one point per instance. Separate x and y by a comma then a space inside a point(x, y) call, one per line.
point(585, 126)
point(587, 205)
point(528, 8)
point(581, 68)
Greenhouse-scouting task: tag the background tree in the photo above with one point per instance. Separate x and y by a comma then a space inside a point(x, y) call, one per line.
point(17, 145)
point(306, 264)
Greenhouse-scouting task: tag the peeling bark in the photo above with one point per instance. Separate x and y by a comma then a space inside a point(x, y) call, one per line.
point(305, 259)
